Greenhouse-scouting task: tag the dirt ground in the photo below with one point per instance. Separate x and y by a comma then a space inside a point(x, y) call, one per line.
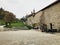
point(28, 37)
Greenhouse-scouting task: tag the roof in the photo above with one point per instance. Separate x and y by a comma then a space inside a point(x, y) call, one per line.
point(30, 15)
point(51, 5)
point(45, 7)
point(48, 6)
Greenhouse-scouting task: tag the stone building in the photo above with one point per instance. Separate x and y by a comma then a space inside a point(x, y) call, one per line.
point(29, 20)
point(47, 18)
point(37, 19)
point(51, 16)
point(34, 19)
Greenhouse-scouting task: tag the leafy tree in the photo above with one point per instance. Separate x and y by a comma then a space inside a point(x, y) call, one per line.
point(9, 17)
point(23, 19)
point(1, 13)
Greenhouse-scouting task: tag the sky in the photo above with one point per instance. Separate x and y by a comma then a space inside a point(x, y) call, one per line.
point(22, 7)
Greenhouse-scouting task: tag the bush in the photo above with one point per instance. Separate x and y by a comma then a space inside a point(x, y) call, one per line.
point(9, 26)
point(29, 27)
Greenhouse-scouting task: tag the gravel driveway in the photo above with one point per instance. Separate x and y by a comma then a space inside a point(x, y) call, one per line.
point(28, 37)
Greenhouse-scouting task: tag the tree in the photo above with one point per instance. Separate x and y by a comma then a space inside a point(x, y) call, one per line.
point(1, 13)
point(17, 20)
point(9, 17)
point(23, 19)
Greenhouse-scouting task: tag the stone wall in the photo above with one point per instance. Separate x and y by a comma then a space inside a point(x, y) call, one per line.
point(34, 19)
point(37, 19)
point(30, 20)
point(52, 15)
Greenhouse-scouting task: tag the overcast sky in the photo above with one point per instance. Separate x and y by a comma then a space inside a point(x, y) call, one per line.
point(22, 7)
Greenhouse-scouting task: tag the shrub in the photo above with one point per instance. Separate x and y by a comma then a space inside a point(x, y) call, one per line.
point(29, 27)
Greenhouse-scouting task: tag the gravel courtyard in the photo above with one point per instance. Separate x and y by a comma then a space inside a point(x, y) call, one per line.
point(28, 37)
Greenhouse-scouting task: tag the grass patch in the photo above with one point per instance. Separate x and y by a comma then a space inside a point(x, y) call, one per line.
point(2, 22)
point(18, 24)
point(29, 27)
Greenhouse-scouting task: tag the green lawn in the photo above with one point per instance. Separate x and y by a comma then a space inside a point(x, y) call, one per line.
point(18, 24)
point(2, 22)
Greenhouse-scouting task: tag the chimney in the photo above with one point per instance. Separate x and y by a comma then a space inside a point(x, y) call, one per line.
point(33, 10)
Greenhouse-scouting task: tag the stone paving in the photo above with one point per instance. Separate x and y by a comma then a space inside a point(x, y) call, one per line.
point(28, 37)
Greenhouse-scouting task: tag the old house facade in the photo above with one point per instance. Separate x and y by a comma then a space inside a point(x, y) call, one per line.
point(48, 17)
point(29, 20)
point(51, 16)
point(37, 19)
point(34, 19)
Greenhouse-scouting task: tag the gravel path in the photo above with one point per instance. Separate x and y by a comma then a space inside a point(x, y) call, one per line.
point(28, 37)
